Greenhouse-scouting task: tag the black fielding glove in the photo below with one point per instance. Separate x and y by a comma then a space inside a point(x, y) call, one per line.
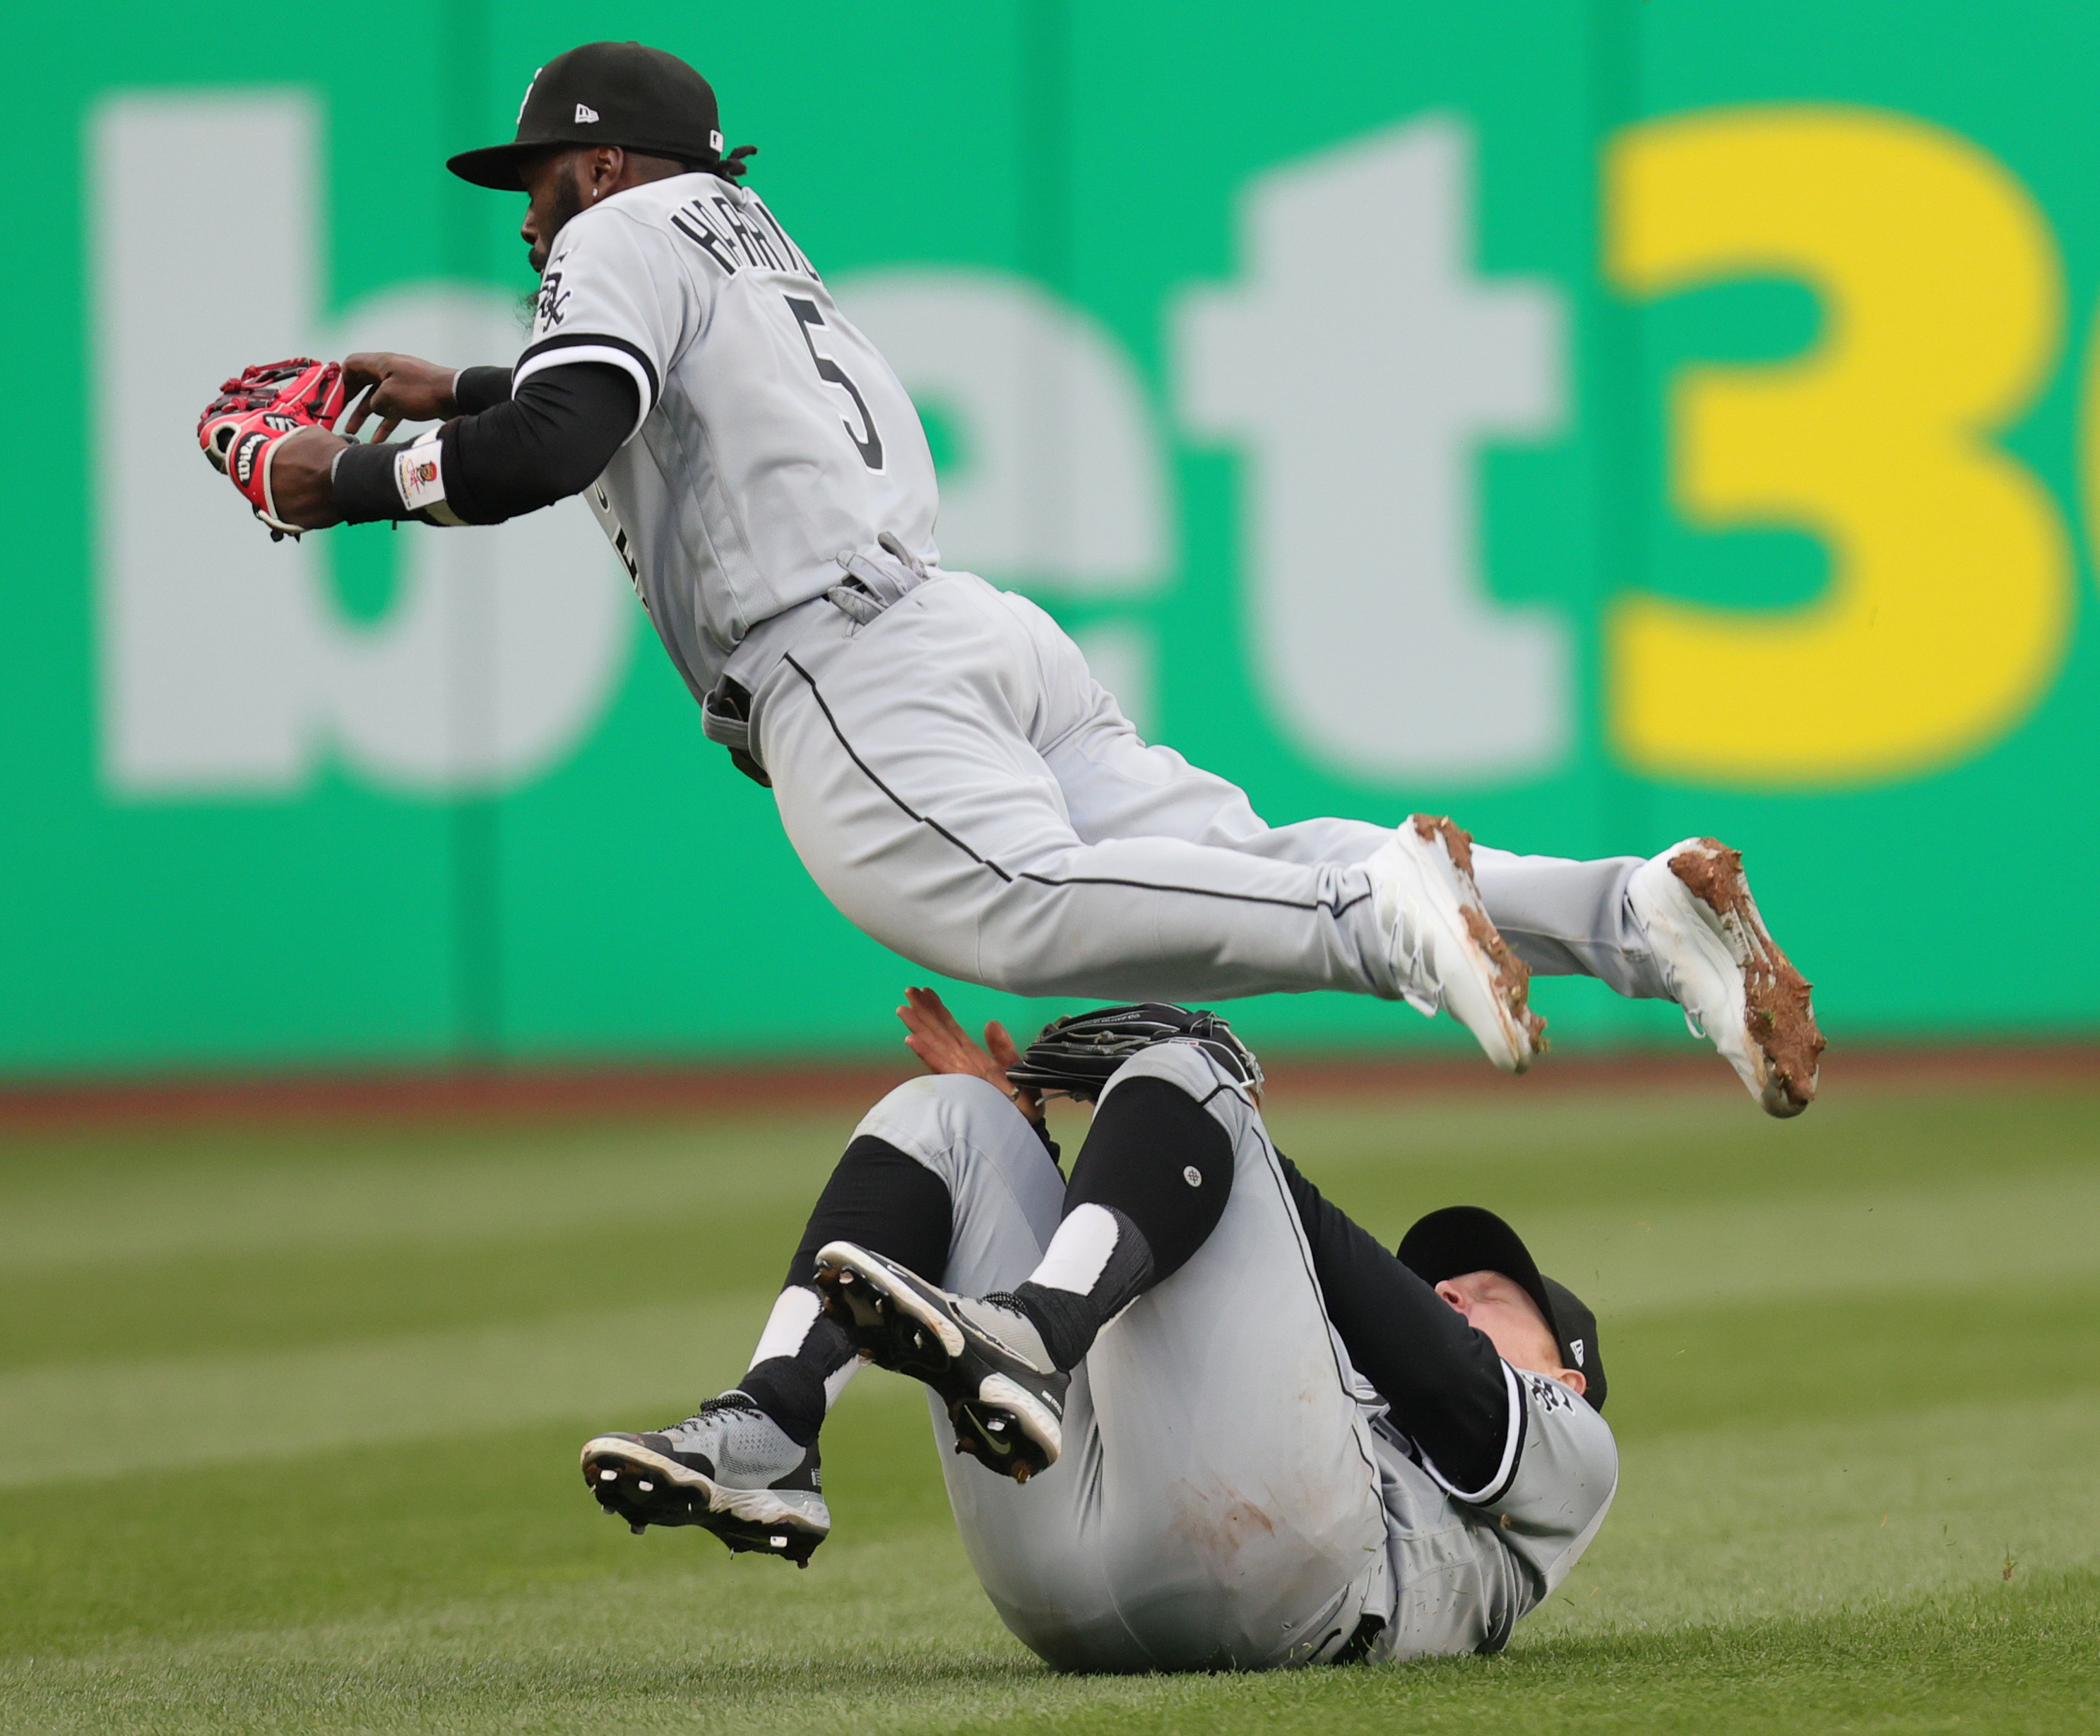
point(1076, 1055)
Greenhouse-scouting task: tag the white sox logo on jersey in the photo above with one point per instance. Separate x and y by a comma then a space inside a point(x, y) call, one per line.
point(554, 299)
point(1549, 1395)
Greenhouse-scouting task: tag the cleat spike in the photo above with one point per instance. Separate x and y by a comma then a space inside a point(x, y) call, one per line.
point(637, 1527)
point(647, 1486)
point(608, 1476)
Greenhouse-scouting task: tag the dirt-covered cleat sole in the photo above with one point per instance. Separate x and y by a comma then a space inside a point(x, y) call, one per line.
point(1445, 951)
point(1737, 989)
point(634, 1483)
point(1007, 1412)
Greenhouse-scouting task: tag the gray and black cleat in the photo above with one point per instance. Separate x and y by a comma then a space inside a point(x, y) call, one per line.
point(985, 1359)
point(730, 1469)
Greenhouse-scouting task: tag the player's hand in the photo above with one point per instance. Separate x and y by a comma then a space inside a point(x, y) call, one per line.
point(397, 388)
point(301, 478)
point(944, 1046)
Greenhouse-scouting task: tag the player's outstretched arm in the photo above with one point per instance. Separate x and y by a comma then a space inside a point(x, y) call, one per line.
point(397, 388)
point(275, 432)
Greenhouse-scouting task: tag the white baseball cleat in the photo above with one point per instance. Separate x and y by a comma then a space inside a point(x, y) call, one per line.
point(1736, 987)
point(1445, 953)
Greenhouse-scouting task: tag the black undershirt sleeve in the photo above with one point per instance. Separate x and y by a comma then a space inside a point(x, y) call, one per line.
point(479, 388)
point(551, 439)
point(1440, 1375)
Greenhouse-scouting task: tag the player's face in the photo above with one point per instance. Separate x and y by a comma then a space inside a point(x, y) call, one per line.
point(1503, 1309)
point(556, 187)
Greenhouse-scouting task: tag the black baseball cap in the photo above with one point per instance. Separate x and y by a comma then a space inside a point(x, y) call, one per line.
point(642, 99)
point(1463, 1238)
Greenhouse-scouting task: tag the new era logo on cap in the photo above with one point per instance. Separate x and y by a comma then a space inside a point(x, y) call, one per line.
point(584, 113)
point(1576, 1345)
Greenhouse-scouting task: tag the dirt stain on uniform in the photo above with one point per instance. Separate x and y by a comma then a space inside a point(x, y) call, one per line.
point(1216, 1526)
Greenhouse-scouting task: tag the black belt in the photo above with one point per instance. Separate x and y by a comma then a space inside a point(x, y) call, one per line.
point(876, 578)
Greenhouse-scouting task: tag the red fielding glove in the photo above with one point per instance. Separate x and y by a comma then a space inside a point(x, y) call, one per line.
point(241, 428)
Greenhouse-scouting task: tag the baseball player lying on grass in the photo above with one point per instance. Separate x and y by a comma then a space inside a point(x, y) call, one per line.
point(947, 769)
point(1215, 1425)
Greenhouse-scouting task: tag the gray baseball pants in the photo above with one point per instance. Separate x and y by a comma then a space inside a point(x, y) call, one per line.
point(965, 792)
point(1218, 1503)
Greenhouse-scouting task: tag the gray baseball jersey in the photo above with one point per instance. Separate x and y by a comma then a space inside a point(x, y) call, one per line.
point(1227, 1497)
point(1463, 1573)
point(951, 775)
point(772, 435)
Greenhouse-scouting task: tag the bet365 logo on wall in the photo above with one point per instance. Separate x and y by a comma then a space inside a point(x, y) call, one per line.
point(1356, 361)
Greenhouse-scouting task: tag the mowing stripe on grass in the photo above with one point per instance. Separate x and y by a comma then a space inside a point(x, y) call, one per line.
point(636, 1366)
point(2029, 1229)
point(143, 1207)
point(199, 1410)
point(1730, 1524)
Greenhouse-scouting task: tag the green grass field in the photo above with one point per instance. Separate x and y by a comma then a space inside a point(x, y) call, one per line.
point(288, 1427)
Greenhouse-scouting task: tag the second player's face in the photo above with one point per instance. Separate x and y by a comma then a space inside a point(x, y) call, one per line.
point(1502, 1308)
point(556, 190)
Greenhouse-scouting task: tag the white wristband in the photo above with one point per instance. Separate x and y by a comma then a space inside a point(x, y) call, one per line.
point(419, 478)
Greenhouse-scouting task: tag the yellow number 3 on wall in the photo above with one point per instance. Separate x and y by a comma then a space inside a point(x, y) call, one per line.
point(1949, 603)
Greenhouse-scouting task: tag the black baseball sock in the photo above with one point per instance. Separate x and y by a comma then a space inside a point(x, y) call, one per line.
point(794, 1388)
point(1147, 1189)
point(889, 1203)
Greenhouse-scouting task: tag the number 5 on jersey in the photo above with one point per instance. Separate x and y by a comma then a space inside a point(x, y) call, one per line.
point(808, 319)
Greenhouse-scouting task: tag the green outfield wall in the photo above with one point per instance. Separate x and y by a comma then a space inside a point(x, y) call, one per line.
point(1605, 423)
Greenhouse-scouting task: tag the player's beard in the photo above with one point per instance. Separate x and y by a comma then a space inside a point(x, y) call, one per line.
point(568, 203)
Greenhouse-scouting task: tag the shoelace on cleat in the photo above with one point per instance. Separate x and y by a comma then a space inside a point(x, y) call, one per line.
point(713, 1408)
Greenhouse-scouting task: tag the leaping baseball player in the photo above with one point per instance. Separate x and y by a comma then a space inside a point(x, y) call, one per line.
point(1229, 1430)
point(948, 771)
